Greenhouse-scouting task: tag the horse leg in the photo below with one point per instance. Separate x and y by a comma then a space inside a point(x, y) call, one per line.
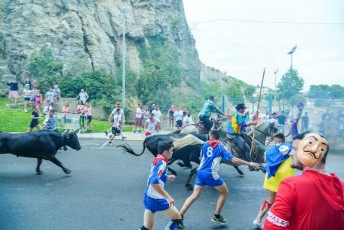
point(38, 170)
point(239, 171)
point(192, 173)
point(58, 163)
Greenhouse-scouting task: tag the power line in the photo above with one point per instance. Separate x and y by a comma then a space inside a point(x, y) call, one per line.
point(268, 22)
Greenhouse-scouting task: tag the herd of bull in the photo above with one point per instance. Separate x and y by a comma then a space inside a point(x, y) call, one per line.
point(187, 146)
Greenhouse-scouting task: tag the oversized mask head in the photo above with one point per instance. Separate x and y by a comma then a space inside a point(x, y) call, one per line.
point(312, 149)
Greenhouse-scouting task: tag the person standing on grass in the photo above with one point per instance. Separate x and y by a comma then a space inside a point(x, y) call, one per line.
point(35, 116)
point(27, 96)
point(156, 198)
point(13, 94)
point(212, 152)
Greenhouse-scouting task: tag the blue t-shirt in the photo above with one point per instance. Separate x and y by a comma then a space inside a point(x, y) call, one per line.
point(157, 175)
point(212, 152)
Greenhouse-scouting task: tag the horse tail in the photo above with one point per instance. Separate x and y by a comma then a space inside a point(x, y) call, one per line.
point(126, 147)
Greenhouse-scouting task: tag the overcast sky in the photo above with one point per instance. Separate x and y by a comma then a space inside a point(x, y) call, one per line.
point(243, 37)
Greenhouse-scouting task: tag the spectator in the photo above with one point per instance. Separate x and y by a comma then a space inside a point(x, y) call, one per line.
point(83, 96)
point(293, 127)
point(13, 94)
point(158, 116)
point(170, 114)
point(57, 93)
point(49, 95)
point(138, 118)
point(28, 82)
point(145, 115)
point(152, 108)
point(48, 106)
point(80, 110)
point(88, 114)
point(38, 99)
point(305, 122)
point(281, 118)
point(265, 116)
point(313, 200)
point(178, 117)
point(27, 96)
point(34, 85)
point(187, 120)
point(300, 106)
point(151, 125)
point(66, 110)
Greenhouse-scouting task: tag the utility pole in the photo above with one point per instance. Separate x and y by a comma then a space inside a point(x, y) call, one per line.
point(275, 84)
point(123, 59)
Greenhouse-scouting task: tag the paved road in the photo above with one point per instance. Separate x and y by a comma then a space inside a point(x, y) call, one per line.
point(105, 188)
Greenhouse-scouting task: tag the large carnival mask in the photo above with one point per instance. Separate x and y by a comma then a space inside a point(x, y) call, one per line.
point(312, 149)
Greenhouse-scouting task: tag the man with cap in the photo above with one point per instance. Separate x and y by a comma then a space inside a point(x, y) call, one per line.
point(313, 200)
point(236, 128)
point(50, 121)
point(207, 108)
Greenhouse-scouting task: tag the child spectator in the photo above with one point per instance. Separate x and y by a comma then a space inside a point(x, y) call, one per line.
point(88, 114)
point(80, 110)
point(66, 112)
point(38, 99)
point(57, 93)
point(49, 95)
point(27, 96)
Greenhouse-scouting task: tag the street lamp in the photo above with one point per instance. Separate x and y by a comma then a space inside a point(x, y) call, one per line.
point(275, 84)
point(123, 60)
point(291, 56)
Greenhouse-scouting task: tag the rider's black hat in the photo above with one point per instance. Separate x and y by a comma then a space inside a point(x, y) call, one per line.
point(240, 106)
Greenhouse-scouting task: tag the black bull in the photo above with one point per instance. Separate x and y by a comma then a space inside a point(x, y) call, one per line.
point(187, 147)
point(39, 144)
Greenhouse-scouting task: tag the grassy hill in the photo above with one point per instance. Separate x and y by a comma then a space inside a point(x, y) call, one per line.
point(16, 120)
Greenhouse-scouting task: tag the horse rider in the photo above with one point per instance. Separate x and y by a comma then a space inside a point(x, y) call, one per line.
point(238, 121)
point(207, 108)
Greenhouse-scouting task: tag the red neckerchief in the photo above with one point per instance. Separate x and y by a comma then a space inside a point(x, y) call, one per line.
point(160, 157)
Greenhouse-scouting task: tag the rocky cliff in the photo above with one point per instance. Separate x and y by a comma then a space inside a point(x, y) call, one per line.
point(88, 33)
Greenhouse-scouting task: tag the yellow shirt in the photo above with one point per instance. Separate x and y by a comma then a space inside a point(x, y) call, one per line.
point(283, 172)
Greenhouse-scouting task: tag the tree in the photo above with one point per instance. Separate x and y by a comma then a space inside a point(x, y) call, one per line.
point(45, 68)
point(290, 84)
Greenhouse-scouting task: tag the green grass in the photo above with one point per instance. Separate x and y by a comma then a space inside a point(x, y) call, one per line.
point(16, 120)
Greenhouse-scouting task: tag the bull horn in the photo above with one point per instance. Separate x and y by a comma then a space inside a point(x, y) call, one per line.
point(77, 131)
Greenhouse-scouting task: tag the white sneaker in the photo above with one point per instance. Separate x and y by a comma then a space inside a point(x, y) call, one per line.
point(258, 224)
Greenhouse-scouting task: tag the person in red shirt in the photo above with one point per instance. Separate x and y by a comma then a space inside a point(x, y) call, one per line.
point(313, 200)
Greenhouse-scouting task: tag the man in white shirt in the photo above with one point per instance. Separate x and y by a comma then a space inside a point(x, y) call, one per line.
point(151, 125)
point(187, 120)
point(157, 116)
point(178, 115)
point(83, 96)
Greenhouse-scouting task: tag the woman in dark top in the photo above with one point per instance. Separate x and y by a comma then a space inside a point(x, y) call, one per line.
point(34, 119)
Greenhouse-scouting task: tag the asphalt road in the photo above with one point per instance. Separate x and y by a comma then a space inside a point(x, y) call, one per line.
point(105, 191)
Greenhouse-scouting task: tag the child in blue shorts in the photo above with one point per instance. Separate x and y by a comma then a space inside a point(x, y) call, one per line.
point(156, 198)
point(212, 153)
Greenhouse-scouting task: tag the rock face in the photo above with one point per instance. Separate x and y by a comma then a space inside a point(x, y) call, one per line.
point(87, 34)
